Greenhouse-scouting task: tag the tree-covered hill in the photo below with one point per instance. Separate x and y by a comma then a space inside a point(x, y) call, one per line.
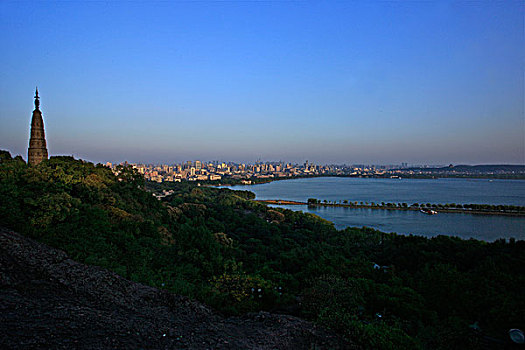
point(382, 291)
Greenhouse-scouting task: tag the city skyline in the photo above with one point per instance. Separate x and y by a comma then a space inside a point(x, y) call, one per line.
point(246, 173)
point(336, 83)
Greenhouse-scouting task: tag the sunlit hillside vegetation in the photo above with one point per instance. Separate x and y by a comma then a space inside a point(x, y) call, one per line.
point(383, 291)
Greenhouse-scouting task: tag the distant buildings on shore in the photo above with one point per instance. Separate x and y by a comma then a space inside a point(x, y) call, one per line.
point(250, 173)
point(210, 171)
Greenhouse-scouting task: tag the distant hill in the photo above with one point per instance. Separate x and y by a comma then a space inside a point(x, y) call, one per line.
point(478, 169)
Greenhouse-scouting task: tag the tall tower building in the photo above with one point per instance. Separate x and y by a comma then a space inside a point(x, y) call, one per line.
point(37, 151)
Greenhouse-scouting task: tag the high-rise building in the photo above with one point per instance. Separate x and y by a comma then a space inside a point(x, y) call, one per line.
point(37, 151)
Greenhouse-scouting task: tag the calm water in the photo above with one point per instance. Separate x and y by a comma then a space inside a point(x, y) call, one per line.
point(485, 227)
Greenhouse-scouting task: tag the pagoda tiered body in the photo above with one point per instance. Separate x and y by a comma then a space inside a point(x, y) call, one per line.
point(37, 151)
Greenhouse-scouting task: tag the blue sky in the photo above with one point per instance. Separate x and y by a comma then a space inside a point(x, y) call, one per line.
point(332, 82)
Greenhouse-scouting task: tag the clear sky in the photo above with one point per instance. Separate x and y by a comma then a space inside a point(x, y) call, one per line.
point(377, 82)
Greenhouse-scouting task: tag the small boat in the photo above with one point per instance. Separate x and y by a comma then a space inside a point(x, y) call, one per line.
point(428, 211)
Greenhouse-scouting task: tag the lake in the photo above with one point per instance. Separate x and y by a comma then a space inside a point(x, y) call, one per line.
point(462, 191)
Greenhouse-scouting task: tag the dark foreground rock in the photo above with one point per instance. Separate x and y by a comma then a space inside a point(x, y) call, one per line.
point(48, 300)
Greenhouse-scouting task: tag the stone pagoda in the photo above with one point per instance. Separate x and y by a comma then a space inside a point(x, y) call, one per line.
point(37, 151)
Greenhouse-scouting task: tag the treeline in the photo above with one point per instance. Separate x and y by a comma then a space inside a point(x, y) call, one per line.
point(447, 206)
point(382, 291)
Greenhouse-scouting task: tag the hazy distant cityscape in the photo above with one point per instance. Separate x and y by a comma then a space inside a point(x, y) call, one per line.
point(215, 170)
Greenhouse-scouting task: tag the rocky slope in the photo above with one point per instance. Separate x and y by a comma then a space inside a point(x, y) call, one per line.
point(48, 300)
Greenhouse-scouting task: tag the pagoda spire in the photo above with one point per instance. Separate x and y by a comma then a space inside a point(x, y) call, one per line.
point(37, 99)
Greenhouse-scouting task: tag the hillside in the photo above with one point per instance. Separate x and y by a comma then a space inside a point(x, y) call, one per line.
point(48, 300)
point(220, 248)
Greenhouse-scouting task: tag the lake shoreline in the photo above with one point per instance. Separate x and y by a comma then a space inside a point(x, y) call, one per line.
point(261, 181)
point(353, 206)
